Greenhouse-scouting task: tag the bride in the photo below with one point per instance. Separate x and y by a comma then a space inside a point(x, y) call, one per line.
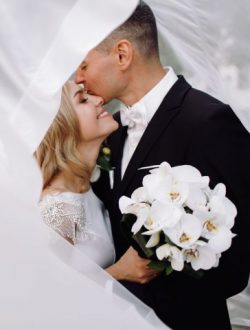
point(67, 157)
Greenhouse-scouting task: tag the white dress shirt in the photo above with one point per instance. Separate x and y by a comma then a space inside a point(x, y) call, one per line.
point(143, 112)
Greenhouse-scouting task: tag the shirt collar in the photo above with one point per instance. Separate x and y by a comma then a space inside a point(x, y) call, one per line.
point(152, 100)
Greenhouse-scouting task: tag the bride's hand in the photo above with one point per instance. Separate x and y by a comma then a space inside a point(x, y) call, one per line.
point(131, 267)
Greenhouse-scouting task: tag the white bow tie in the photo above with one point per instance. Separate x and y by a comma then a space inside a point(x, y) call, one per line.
point(134, 117)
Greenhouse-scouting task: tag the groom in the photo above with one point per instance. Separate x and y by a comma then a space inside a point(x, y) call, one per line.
point(165, 119)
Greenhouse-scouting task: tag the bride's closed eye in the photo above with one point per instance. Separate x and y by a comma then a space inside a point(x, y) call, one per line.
point(84, 99)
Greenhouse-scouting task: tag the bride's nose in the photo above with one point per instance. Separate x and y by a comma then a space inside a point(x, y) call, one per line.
point(99, 101)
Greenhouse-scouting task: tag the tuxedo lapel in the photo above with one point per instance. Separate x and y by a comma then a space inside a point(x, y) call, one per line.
point(162, 118)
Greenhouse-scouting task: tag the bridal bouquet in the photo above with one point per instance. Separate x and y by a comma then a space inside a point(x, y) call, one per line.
point(177, 221)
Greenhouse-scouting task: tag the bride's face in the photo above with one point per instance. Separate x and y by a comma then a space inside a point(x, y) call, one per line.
point(94, 121)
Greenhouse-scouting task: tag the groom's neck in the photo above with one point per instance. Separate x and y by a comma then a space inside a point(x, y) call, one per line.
point(142, 79)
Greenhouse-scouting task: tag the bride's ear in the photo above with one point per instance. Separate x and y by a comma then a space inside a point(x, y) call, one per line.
point(123, 50)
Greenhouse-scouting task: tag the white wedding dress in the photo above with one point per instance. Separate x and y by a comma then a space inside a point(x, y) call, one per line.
point(81, 218)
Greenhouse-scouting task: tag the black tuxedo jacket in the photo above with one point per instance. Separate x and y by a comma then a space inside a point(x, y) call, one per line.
point(189, 127)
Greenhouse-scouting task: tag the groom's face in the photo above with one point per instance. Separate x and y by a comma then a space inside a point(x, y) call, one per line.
point(98, 74)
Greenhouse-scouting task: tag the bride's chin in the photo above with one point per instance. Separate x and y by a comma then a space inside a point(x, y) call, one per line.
point(111, 127)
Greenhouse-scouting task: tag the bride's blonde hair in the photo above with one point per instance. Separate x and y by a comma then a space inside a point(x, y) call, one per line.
point(58, 150)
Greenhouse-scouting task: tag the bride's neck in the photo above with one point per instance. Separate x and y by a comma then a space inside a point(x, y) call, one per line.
point(67, 181)
point(89, 153)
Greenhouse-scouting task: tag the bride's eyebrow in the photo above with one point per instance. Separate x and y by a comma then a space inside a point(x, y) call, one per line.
point(78, 92)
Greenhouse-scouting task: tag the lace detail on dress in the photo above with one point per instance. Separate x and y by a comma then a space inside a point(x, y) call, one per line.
point(65, 213)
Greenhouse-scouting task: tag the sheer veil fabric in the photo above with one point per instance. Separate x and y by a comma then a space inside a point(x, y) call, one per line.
point(45, 283)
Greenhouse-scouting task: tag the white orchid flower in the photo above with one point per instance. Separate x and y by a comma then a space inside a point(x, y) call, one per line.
point(165, 189)
point(140, 195)
point(142, 218)
point(140, 210)
point(218, 219)
point(219, 236)
point(197, 199)
point(190, 174)
point(138, 200)
point(172, 254)
point(136, 206)
point(153, 215)
point(163, 169)
point(222, 240)
point(219, 190)
point(158, 175)
point(186, 232)
point(172, 185)
point(201, 257)
point(220, 205)
point(161, 216)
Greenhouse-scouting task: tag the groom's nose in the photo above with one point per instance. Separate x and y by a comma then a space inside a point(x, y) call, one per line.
point(79, 76)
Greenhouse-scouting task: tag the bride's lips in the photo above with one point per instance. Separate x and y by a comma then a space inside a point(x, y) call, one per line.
point(103, 113)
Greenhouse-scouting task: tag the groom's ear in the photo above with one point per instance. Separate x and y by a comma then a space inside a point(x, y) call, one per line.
point(124, 53)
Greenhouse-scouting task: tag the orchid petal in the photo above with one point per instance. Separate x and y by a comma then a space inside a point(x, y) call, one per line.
point(165, 215)
point(186, 232)
point(231, 213)
point(219, 190)
point(124, 202)
point(142, 216)
point(222, 240)
point(170, 192)
point(163, 169)
point(173, 254)
point(177, 259)
point(196, 200)
point(187, 173)
point(153, 241)
point(163, 251)
point(205, 259)
point(140, 195)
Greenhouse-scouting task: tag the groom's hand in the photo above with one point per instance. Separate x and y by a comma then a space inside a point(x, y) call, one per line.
point(131, 267)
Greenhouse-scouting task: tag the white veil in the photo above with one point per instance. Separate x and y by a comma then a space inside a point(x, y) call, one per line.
point(45, 283)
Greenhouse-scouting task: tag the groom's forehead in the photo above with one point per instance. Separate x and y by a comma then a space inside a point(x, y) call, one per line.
point(92, 55)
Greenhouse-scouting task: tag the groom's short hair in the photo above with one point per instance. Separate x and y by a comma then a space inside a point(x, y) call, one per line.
point(140, 29)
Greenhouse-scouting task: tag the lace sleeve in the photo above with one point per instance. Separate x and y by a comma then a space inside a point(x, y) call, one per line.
point(67, 218)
